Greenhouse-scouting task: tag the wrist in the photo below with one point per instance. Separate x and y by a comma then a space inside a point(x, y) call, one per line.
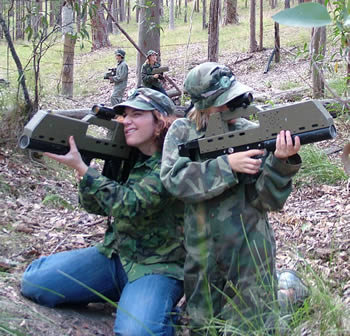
point(81, 170)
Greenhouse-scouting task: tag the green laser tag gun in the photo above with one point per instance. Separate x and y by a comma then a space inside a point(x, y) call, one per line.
point(308, 120)
point(160, 71)
point(49, 132)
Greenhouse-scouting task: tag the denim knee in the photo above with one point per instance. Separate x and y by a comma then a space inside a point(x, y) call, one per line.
point(33, 288)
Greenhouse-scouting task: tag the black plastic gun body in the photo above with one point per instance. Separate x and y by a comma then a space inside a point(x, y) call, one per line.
point(308, 120)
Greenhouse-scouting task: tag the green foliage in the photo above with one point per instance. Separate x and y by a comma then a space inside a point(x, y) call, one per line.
point(317, 168)
point(57, 201)
point(304, 15)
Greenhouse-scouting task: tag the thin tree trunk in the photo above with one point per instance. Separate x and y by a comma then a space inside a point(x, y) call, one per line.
point(213, 31)
point(253, 46)
point(22, 80)
point(68, 50)
point(261, 46)
point(171, 15)
point(277, 43)
point(204, 15)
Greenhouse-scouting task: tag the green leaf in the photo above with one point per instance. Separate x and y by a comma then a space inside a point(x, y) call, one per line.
point(307, 14)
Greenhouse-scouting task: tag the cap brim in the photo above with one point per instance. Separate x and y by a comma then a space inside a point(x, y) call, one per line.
point(234, 91)
point(137, 105)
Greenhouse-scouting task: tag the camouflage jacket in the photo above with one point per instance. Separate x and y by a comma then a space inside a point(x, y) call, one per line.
point(213, 193)
point(120, 79)
point(146, 75)
point(148, 238)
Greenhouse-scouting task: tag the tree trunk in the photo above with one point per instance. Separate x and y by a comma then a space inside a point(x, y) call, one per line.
point(68, 50)
point(109, 20)
point(196, 7)
point(122, 10)
point(21, 75)
point(1, 30)
point(213, 31)
point(318, 50)
point(253, 46)
point(286, 4)
point(171, 15)
point(115, 15)
point(230, 12)
point(19, 30)
point(261, 36)
point(185, 14)
point(128, 16)
point(99, 28)
point(277, 43)
point(148, 32)
point(204, 15)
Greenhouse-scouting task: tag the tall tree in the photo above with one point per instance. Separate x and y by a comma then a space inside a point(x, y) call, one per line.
point(261, 21)
point(230, 12)
point(213, 31)
point(21, 75)
point(253, 45)
point(68, 48)
point(204, 15)
point(171, 15)
point(122, 10)
point(99, 27)
point(148, 31)
point(19, 19)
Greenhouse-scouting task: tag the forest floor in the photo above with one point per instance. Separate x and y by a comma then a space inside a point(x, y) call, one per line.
point(312, 230)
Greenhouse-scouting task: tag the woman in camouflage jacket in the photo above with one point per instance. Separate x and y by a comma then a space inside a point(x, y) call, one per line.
point(140, 263)
point(230, 264)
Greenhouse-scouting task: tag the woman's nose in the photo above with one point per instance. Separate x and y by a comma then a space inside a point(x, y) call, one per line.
point(126, 120)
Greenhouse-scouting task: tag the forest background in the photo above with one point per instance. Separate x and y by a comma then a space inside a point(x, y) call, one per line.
point(61, 67)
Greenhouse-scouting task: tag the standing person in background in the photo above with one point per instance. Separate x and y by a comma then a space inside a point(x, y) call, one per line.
point(120, 79)
point(149, 80)
point(140, 263)
point(230, 267)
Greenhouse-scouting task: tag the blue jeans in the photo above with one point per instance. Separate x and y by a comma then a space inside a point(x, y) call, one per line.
point(145, 305)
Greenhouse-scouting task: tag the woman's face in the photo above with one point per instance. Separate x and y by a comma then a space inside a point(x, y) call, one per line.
point(153, 59)
point(139, 129)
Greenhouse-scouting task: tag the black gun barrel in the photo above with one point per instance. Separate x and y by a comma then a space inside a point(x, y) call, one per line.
point(190, 148)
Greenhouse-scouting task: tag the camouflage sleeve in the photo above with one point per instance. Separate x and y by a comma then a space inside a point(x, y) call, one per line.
point(121, 73)
point(103, 196)
point(146, 76)
point(274, 185)
point(188, 180)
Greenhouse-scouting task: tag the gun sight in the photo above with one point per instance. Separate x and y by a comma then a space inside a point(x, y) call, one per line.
point(103, 112)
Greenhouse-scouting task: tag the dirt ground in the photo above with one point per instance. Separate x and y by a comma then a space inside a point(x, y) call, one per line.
point(312, 229)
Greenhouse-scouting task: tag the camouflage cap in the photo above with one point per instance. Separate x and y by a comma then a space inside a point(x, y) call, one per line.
point(212, 84)
point(151, 52)
point(146, 99)
point(120, 52)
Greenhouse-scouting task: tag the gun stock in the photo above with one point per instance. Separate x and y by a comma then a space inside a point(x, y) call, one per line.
point(308, 120)
point(48, 132)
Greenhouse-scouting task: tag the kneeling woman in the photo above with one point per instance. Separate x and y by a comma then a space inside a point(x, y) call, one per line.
point(140, 263)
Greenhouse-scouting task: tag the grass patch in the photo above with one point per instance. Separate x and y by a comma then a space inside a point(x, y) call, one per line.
point(317, 168)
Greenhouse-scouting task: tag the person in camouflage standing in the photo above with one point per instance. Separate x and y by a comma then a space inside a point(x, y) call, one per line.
point(149, 80)
point(120, 79)
point(140, 262)
point(230, 264)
